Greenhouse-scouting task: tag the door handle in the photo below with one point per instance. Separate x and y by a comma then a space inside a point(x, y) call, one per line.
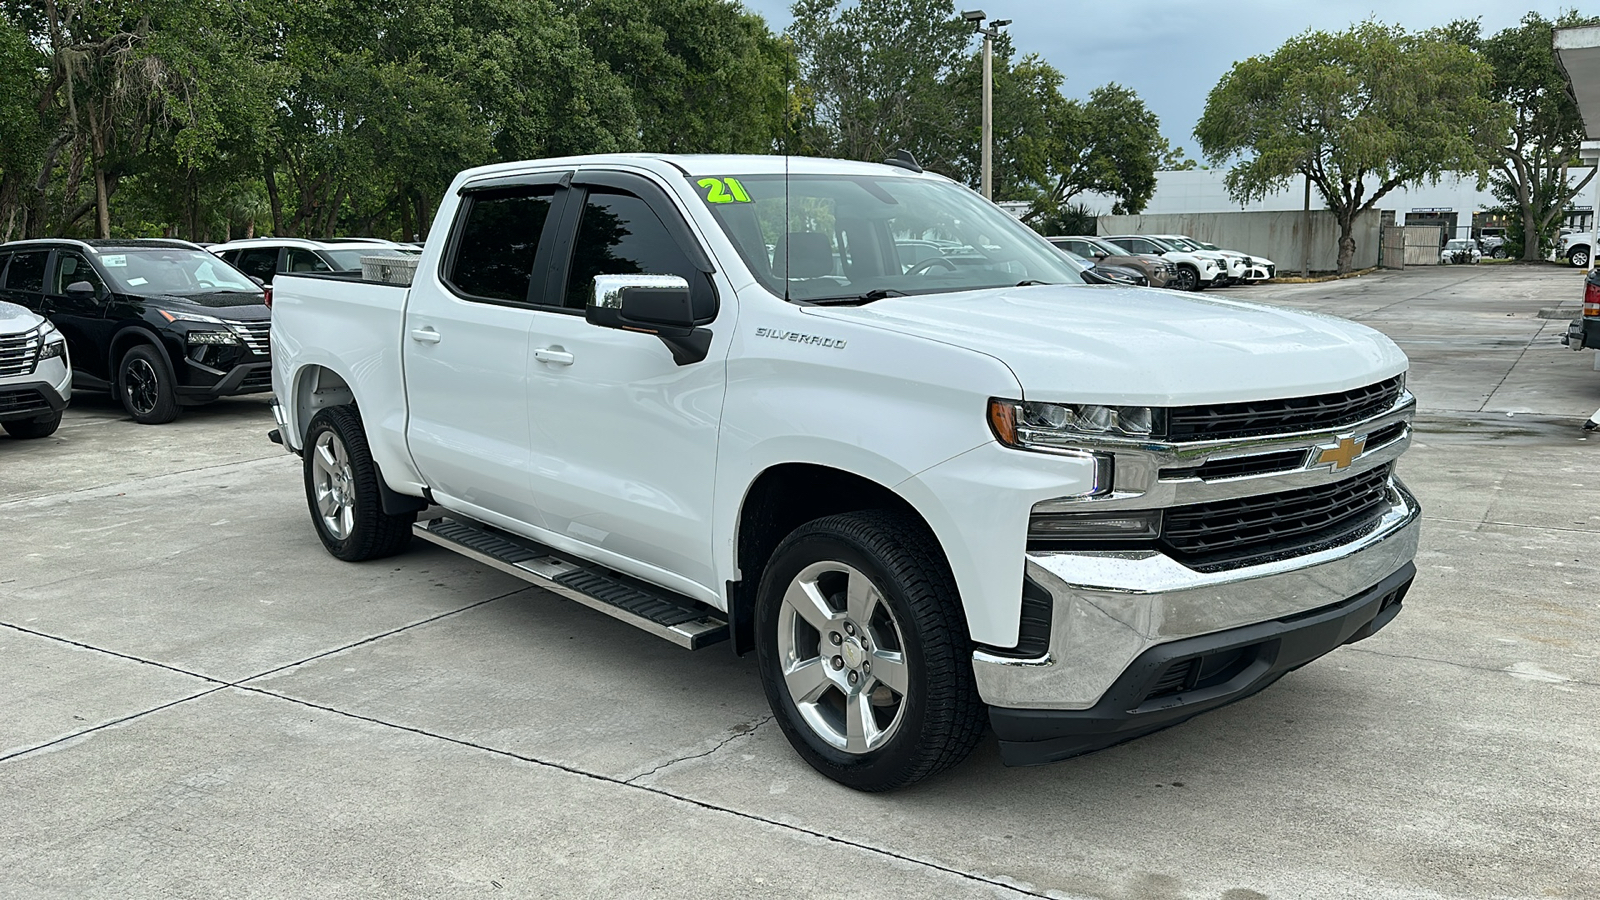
point(425, 335)
point(555, 356)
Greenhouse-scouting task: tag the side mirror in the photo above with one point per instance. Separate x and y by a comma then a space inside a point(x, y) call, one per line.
point(78, 288)
point(650, 304)
point(259, 282)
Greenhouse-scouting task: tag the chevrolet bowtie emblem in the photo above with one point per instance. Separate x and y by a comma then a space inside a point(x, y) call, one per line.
point(1340, 455)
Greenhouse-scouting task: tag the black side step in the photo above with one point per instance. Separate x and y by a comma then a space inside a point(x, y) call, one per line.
point(661, 612)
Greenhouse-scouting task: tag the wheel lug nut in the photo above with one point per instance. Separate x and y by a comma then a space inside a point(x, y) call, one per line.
point(834, 638)
point(838, 662)
point(849, 628)
point(866, 667)
point(854, 678)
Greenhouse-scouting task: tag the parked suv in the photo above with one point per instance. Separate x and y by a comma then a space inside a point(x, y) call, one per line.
point(162, 323)
point(1191, 271)
point(35, 373)
point(1156, 270)
point(266, 258)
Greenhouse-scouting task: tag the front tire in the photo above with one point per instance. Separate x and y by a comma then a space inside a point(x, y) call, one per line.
point(342, 490)
point(864, 653)
point(27, 429)
point(1187, 278)
point(144, 384)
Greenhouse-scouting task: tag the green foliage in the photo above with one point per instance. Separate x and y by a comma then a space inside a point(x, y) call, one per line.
point(1070, 218)
point(1372, 102)
point(1530, 167)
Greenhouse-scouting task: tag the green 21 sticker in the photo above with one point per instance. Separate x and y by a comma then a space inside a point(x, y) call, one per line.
point(724, 190)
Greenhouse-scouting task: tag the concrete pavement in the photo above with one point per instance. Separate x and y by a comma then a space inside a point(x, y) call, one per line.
point(197, 701)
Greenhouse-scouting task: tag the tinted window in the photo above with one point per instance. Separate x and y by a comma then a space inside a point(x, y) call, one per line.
point(495, 248)
point(26, 272)
point(5, 259)
point(620, 235)
point(302, 260)
point(72, 268)
point(262, 262)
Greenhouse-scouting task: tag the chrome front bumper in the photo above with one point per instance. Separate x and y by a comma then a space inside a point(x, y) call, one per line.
point(1108, 607)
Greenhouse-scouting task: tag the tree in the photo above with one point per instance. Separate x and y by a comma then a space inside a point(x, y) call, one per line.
point(1530, 174)
point(877, 75)
point(1172, 159)
point(1370, 102)
point(25, 132)
point(705, 76)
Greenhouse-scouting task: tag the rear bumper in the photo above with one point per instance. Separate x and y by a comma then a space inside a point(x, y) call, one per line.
point(1583, 333)
point(1172, 682)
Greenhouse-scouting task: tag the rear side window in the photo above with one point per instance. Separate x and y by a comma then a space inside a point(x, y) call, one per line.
point(497, 241)
point(26, 272)
point(620, 235)
point(302, 260)
point(261, 262)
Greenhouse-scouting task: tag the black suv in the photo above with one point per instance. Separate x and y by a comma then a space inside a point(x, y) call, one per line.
point(162, 323)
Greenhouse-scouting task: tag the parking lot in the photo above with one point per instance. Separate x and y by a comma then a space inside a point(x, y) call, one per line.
point(197, 701)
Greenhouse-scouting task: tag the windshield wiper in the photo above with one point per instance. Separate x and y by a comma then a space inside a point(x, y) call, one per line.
point(869, 297)
point(1031, 282)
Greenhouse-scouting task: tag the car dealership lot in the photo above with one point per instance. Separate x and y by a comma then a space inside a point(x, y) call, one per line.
point(196, 700)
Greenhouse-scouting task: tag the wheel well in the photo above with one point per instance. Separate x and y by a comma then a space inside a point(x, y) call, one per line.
point(317, 387)
point(125, 340)
point(782, 499)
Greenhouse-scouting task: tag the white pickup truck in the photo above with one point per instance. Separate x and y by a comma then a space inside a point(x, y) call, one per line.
point(707, 396)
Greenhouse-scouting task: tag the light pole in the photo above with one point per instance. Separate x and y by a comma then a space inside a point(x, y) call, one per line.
point(976, 17)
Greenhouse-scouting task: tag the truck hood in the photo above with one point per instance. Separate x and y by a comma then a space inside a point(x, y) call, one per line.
point(1141, 346)
point(16, 319)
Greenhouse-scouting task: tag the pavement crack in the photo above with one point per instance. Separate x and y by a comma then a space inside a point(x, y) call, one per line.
point(1513, 367)
point(1564, 528)
point(748, 729)
point(137, 479)
point(1468, 666)
point(630, 784)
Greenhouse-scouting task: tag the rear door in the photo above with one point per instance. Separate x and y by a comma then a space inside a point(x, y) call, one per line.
point(24, 284)
point(257, 262)
point(466, 351)
point(625, 439)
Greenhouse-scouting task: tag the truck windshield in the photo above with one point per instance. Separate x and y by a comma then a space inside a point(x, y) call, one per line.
point(854, 238)
point(151, 272)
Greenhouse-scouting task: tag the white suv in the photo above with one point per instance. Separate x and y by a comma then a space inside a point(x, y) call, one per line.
point(1193, 271)
point(35, 373)
point(266, 258)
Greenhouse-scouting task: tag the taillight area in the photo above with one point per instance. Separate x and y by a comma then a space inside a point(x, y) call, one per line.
point(267, 292)
point(1591, 299)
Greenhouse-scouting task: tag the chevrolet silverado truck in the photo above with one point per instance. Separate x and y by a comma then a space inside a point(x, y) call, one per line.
point(707, 396)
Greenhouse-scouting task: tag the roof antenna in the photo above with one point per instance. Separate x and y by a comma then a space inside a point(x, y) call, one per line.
point(904, 160)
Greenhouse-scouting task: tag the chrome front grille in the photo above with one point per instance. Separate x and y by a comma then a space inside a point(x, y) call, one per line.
point(254, 335)
point(19, 353)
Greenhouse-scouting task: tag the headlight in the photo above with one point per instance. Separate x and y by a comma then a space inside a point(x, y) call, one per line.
point(212, 337)
point(54, 344)
point(1058, 427)
point(1118, 277)
point(188, 317)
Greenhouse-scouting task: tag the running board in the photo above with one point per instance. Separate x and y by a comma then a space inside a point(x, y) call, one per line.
point(661, 612)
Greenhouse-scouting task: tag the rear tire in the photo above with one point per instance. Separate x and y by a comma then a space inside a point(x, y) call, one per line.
point(27, 429)
point(342, 490)
point(864, 653)
point(1579, 257)
point(144, 385)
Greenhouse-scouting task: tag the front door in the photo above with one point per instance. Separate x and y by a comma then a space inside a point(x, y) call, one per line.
point(625, 440)
point(466, 355)
point(81, 317)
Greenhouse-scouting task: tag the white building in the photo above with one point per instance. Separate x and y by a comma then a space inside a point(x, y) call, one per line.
point(1453, 203)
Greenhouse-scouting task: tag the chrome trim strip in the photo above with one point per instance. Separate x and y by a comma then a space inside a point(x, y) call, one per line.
point(1111, 606)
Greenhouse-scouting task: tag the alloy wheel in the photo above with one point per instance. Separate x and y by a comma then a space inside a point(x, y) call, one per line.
point(843, 657)
point(143, 386)
point(334, 484)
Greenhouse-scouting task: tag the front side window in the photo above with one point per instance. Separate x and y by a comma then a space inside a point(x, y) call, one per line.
point(619, 234)
point(839, 237)
point(26, 272)
point(71, 269)
point(302, 260)
point(499, 236)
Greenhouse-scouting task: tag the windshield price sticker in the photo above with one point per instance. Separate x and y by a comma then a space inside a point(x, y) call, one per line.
point(724, 190)
point(114, 262)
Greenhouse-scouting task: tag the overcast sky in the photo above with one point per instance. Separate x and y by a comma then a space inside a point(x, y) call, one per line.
point(1172, 52)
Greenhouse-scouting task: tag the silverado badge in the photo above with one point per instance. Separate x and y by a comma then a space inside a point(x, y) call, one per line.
point(1339, 456)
